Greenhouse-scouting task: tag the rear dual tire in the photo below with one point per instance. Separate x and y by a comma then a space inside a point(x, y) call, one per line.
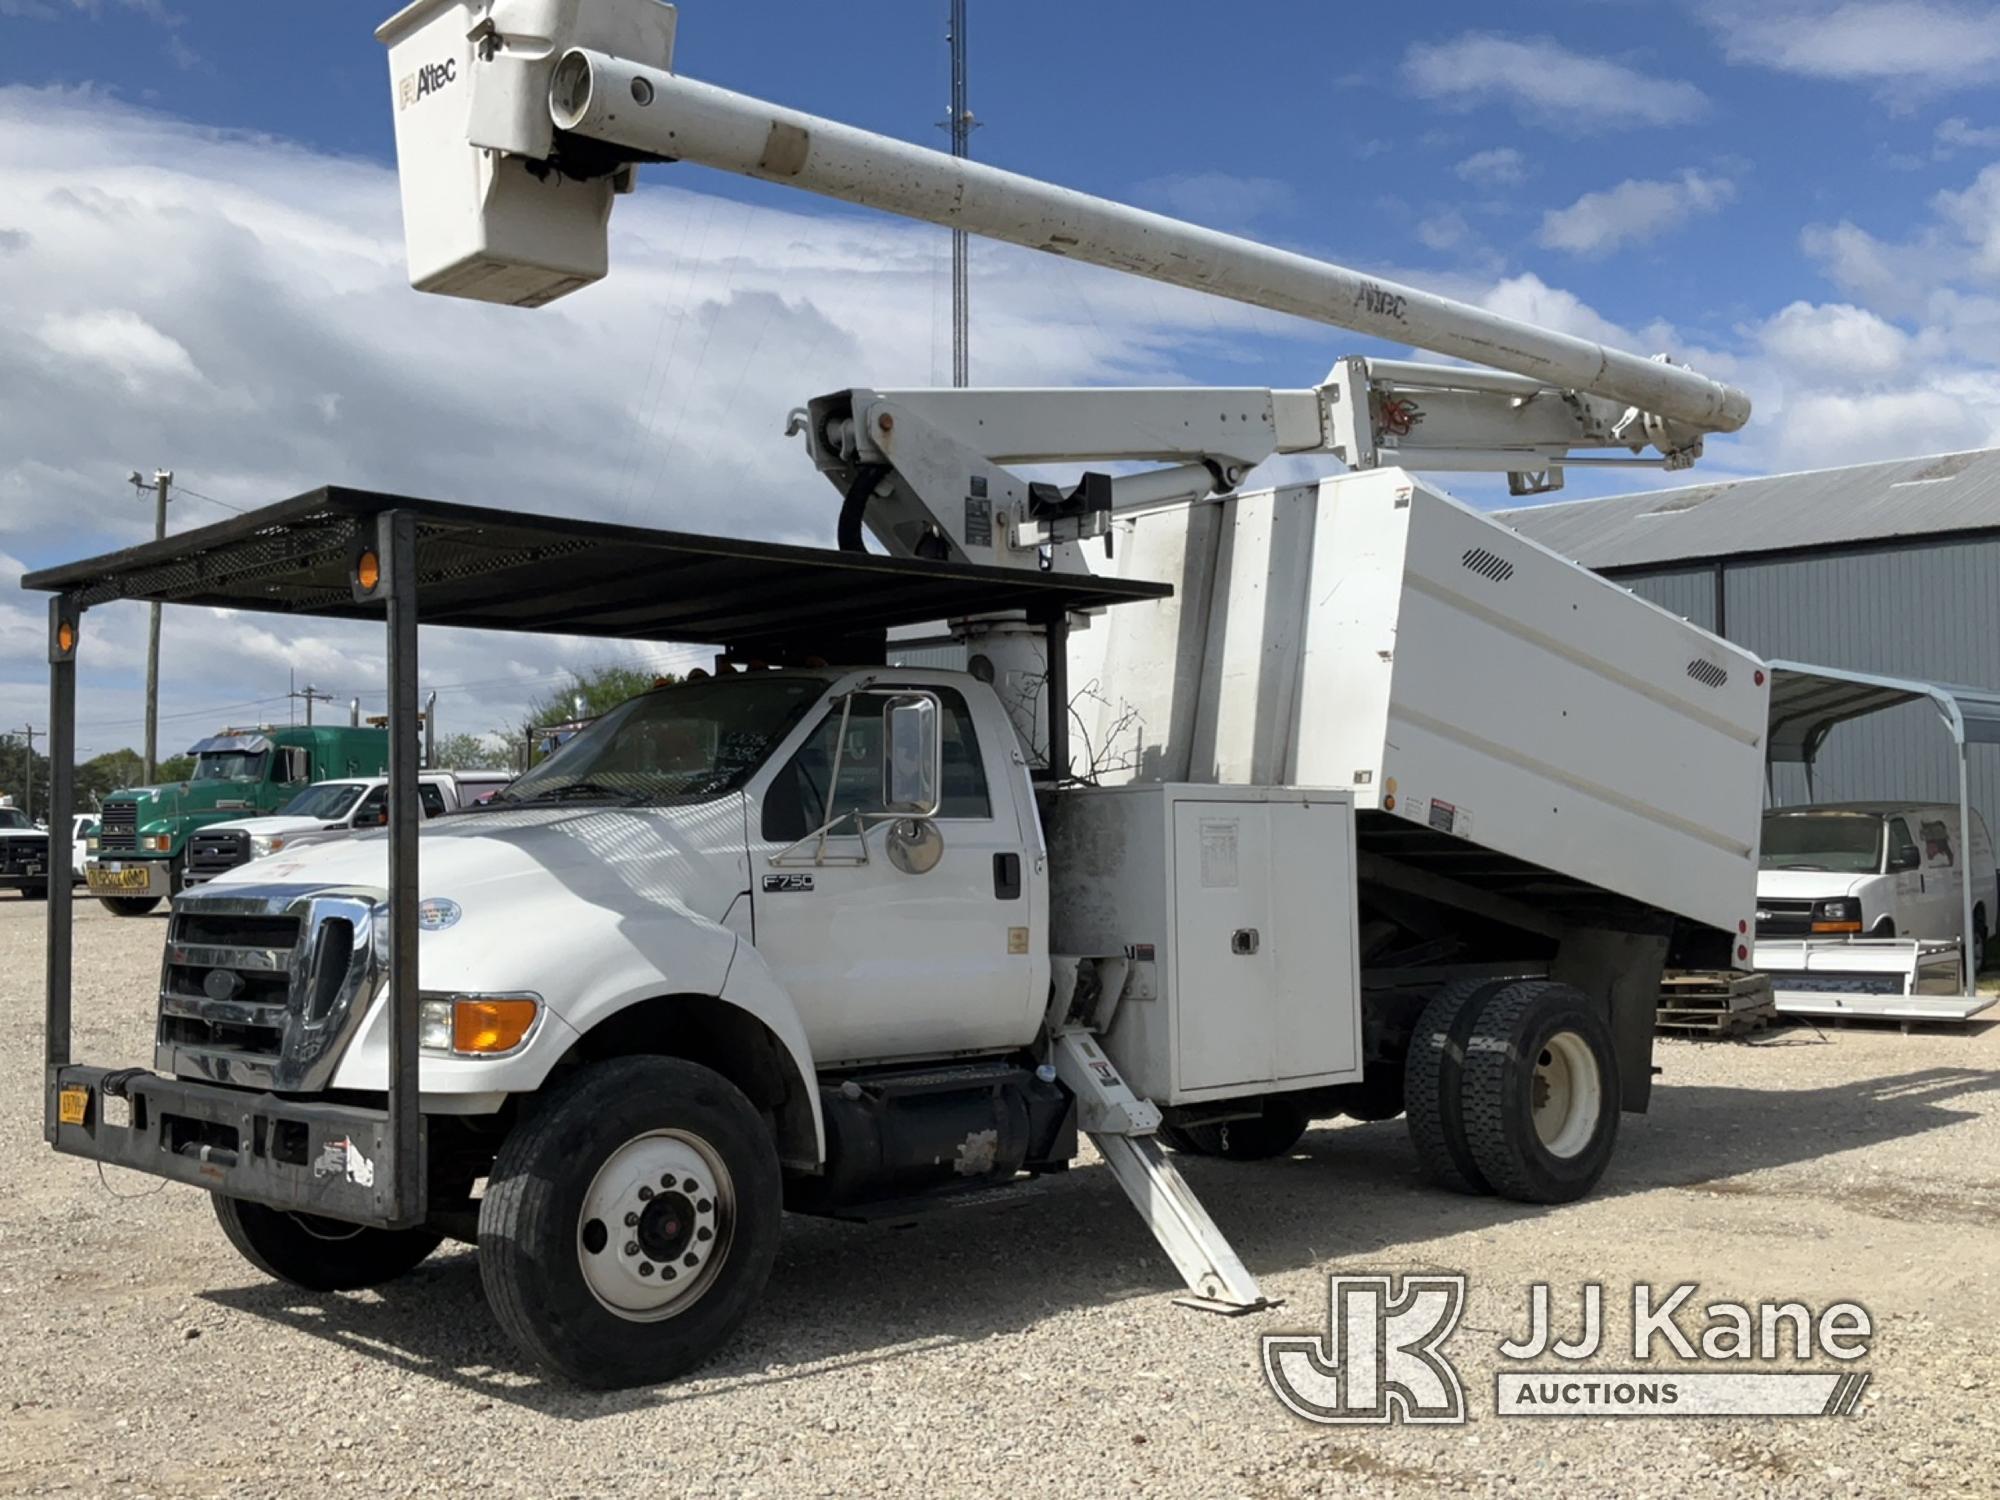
point(1512, 1088)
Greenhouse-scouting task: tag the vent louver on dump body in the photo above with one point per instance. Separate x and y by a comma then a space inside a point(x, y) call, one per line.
point(1707, 673)
point(1488, 564)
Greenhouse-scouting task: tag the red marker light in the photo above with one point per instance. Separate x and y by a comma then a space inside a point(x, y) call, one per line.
point(1758, 677)
point(1741, 951)
point(1743, 927)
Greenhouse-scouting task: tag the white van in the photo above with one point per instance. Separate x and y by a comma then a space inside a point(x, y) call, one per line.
point(1873, 869)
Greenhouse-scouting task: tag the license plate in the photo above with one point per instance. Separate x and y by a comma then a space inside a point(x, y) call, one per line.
point(132, 878)
point(72, 1105)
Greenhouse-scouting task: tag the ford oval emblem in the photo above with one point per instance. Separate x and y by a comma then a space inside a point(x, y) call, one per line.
point(222, 984)
point(434, 913)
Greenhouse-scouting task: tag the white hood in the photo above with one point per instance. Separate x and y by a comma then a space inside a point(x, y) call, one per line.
point(1804, 885)
point(630, 860)
point(270, 826)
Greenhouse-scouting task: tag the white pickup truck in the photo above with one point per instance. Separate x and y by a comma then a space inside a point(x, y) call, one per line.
point(323, 812)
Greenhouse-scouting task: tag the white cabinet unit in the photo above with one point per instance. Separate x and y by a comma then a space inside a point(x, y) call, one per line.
point(1238, 903)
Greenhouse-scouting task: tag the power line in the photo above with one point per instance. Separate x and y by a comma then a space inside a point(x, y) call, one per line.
point(181, 489)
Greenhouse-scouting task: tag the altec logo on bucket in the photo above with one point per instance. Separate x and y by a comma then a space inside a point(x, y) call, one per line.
point(1383, 1359)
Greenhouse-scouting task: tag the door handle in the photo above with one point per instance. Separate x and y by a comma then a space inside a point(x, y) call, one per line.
point(1007, 877)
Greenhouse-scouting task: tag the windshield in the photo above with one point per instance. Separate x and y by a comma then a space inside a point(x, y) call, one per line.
point(694, 740)
point(13, 817)
point(1845, 842)
point(229, 765)
point(330, 799)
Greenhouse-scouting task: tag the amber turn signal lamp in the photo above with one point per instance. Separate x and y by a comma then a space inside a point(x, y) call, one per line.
point(487, 1026)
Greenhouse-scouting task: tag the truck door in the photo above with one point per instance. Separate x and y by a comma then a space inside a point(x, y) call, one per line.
point(1906, 869)
point(1943, 880)
point(884, 963)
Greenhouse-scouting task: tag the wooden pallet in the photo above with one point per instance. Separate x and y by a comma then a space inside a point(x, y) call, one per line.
point(1717, 1005)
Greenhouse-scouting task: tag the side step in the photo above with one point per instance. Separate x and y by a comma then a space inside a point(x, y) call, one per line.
point(1121, 1126)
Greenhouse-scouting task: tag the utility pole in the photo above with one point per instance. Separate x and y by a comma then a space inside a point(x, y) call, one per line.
point(961, 123)
point(310, 693)
point(162, 480)
point(28, 771)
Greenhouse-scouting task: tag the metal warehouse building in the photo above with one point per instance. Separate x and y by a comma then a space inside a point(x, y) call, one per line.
point(1889, 567)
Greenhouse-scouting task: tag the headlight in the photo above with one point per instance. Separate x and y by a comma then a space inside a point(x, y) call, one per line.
point(1841, 914)
point(160, 842)
point(476, 1025)
point(262, 844)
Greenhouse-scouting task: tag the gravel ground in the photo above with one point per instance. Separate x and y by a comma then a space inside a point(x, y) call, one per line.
point(1031, 1346)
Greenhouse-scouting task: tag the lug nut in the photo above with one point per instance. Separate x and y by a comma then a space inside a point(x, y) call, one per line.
point(669, 1274)
point(631, 1221)
point(645, 1268)
point(689, 1185)
point(631, 1247)
point(704, 1234)
point(690, 1260)
point(645, 1194)
point(703, 1207)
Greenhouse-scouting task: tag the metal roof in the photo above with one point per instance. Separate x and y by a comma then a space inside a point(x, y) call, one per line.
point(509, 570)
point(1808, 702)
point(1903, 497)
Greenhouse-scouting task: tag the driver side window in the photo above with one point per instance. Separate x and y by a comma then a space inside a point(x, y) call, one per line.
point(796, 802)
point(374, 809)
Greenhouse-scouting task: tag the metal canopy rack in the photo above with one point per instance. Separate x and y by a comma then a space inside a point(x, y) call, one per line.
point(358, 554)
point(1809, 702)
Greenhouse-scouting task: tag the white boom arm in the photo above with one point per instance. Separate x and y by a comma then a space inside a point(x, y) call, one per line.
point(518, 120)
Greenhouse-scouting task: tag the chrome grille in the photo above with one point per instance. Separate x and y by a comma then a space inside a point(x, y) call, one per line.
point(1784, 917)
point(22, 851)
point(211, 854)
point(118, 828)
point(262, 987)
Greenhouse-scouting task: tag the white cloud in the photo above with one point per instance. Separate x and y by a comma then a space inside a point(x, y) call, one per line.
point(120, 342)
point(1904, 48)
point(1633, 212)
point(235, 308)
point(1836, 340)
point(1959, 133)
point(1546, 81)
point(1502, 166)
point(1443, 231)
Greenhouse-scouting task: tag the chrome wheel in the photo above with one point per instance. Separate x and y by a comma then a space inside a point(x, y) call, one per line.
point(656, 1225)
point(1568, 1094)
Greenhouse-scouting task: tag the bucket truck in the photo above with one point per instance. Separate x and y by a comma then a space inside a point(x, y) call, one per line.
point(1333, 798)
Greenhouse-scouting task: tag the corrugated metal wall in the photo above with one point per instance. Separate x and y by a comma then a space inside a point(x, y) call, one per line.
point(1931, 612)
point(1691, 595)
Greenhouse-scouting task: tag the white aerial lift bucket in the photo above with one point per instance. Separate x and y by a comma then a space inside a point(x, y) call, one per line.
point(488, 211)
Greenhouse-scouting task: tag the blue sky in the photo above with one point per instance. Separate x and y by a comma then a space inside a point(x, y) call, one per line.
point(199, 245)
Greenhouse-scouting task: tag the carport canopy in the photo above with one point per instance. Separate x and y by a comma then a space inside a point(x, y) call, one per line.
point(1809, 702)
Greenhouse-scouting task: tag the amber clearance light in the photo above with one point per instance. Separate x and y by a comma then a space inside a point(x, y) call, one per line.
point(368, 571)
point(66, 637)
point(489, 1026)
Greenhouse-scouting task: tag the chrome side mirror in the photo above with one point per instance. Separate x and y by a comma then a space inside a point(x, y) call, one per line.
point(912, 767)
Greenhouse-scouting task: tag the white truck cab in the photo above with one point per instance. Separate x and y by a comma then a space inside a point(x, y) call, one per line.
point(1873, 870)
point(323, 812)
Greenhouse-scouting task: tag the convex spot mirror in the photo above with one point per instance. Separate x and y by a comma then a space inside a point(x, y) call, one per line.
point(912, 767)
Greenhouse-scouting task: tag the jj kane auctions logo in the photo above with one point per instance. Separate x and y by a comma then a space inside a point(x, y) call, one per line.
point(1383, 1359)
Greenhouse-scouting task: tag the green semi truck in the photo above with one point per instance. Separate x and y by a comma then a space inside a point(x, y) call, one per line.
point(239, 773)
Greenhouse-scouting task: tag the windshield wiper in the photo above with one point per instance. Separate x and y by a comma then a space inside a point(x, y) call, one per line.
point(595, 790)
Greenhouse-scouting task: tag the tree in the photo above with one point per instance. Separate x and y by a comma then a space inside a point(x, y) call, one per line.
point(473, 752)
point(601, 689)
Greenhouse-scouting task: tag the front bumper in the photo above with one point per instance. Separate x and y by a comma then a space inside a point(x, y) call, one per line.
point(129, 877)
point(327, 1159)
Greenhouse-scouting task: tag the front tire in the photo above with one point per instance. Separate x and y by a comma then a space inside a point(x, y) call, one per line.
point(630, 1222)
point(321, 1255)
point(1540, 1101)
point(129, 906)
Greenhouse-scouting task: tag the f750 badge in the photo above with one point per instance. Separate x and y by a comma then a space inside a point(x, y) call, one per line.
point(775, 884)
